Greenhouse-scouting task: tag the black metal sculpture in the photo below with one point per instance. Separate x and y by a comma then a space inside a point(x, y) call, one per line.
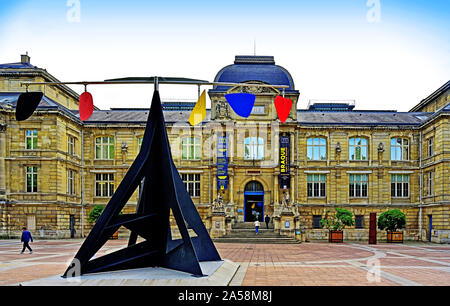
point(162, 191)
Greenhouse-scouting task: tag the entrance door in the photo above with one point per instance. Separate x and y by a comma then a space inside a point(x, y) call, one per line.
point(430, 226)
point(253, 202)
point(72, 226)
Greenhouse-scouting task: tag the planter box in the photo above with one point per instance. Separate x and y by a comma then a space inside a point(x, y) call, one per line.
point(395, 237)
point(336, 237)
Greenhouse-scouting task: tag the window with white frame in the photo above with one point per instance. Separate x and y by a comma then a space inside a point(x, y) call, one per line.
point(191, 148)
point(316, 148)
point(104, 184)
point(316, 185)
point(358, 184)
point(104, 147)
point(31, 179)
point(70, 182)
point(253, 148)
point(71, 145)
point(31, 137)
point(400, 185)
point(430, 183)
point(399, 149)
point(358, 148)
point(430, 145)
point(192, 183)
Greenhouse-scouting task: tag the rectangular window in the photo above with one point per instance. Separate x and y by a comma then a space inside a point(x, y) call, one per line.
point(430, 183)
point(104, 184)
point(71, 145)
point(359, 221)
point(70, 182)
point(31, 182)
point(399, 149)
point(430, 143)
point(400, 186)
point(316, 148)
point(104, 148)
point(140, 143)
point(316, 221)
point(358, 148)
point(316, 185)
point(254, 148)
point(191, 148)
point(358, 185)
point(31, 139)
point(192, 184)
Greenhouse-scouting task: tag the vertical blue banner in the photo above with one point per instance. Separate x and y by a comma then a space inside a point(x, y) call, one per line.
point(222, 163)
point(285, 146)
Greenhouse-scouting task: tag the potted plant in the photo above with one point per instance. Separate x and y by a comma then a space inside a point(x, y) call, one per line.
point(95, 214)
point(336, 223)
point(391, 221)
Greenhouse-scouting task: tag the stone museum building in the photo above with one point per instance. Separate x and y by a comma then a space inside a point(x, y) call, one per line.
point(54, 168)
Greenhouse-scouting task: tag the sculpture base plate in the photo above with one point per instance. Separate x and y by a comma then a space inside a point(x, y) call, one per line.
point(218, 273)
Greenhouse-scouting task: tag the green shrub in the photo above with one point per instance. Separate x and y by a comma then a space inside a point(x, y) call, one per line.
point(339, 220)
point(96, 212)
point(392, 220)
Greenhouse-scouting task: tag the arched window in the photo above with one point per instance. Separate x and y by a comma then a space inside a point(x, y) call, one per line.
point(254, 186)
point(254, 148)
point(399, 149)
point(358, 148)
point(316, 148)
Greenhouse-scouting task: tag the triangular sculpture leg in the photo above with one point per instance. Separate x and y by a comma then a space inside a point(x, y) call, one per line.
point(162, 191)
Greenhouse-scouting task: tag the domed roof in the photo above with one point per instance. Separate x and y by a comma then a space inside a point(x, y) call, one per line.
point(254, 68)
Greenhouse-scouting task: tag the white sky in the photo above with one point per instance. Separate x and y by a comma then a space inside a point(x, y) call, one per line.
point(392, 64)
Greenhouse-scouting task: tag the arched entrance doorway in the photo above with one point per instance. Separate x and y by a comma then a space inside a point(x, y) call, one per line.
point(253, 202)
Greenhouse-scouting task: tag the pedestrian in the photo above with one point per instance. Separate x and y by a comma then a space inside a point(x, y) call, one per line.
point(257, 226)
point(26, 237)
point(267, 220)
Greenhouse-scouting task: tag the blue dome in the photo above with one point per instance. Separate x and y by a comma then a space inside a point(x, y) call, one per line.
point(254, 68)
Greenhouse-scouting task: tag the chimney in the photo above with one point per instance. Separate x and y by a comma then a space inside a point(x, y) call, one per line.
point(25, 59)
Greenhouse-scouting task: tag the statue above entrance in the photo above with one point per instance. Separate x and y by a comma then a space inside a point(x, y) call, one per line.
point(218, 202)
point(286, 200)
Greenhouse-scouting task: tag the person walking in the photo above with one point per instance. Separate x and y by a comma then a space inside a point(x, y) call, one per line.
point(267, 220)
point(257, 226)
point(26, 237)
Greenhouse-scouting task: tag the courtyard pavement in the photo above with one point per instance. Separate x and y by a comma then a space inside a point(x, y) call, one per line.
point(306, 264)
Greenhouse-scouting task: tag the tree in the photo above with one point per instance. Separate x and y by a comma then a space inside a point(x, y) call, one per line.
point(392, 220)
point(339, 220)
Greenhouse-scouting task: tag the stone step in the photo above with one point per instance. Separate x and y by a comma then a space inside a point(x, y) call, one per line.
point(284, 240)
point(250, 225)
point(251, 233)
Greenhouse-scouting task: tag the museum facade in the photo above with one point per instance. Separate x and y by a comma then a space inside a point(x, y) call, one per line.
point(54, 168)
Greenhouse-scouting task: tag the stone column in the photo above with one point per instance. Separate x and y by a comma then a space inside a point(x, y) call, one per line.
point(2, 161)
point(214, 191)
point(275, 190)
point(231, 188)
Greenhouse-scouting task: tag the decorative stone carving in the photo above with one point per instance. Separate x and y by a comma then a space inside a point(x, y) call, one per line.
point(380, 147)
point(338, 148)
point(124, 147)
point(218, 202)
point(222, 111)
point(286, 201)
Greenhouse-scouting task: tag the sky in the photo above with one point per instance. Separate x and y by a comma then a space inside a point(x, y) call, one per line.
point(384, 54)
